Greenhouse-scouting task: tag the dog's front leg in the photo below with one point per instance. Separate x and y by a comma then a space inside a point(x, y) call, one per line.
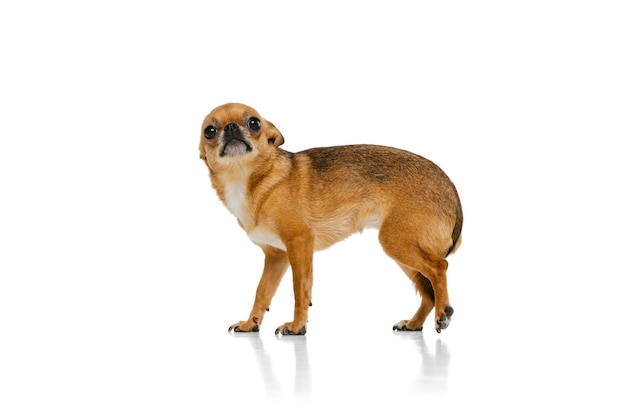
point(300, 253)
point(276, 264)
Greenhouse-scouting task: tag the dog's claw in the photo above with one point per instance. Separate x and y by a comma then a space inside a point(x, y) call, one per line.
point(286, 331)
point(402, 327)
point(236, 328)
point(444, 320)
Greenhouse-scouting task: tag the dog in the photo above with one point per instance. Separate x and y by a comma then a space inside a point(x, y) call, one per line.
point(293, 204)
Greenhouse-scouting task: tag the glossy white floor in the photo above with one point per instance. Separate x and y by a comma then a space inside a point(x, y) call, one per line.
point(149, 339)
point(120, 271)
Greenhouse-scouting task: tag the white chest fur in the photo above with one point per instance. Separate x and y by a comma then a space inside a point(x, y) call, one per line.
point(237, 202)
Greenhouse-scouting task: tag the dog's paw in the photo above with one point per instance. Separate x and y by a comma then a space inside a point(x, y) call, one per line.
point(290, 329)
point(405, 326)
point(244, 326)
point(443, 321)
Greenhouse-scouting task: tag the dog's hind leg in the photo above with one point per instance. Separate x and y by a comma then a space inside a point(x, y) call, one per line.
point(412, 257)
point(423, 286)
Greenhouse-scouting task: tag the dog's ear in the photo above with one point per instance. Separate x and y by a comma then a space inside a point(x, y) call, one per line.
point(202, 153)
point(273, 135)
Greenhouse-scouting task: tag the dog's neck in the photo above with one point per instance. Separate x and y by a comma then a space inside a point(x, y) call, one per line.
point(234, 187)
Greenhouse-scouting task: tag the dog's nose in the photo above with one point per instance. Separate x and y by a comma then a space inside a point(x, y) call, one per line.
point(231, 128)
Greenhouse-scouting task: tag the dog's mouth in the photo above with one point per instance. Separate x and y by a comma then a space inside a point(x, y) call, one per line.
point(235, 147)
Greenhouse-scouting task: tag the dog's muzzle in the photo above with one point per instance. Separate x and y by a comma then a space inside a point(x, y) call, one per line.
point(233, 141)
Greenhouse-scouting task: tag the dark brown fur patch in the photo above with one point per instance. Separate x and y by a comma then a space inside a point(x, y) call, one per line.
point(369, 162)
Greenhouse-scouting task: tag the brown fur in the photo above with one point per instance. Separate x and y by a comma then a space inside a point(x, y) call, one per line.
point(292, 204)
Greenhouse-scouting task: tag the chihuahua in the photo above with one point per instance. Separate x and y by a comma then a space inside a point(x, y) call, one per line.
point(292, 204)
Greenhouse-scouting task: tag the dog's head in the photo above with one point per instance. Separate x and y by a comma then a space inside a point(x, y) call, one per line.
point(236, 133)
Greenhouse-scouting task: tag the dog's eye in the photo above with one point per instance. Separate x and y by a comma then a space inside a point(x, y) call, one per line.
point(254, 124)
point(210, 132)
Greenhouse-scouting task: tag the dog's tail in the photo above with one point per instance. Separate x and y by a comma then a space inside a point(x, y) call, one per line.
point(456, 231)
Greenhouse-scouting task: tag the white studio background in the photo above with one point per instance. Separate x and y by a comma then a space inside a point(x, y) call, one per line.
point(120, 267)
